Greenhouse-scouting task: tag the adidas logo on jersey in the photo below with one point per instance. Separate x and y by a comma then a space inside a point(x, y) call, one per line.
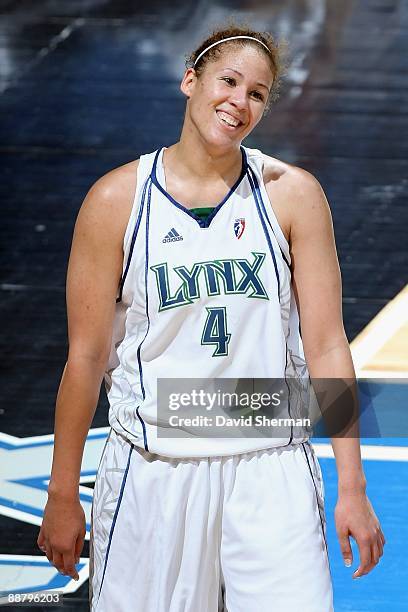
point(172, 236)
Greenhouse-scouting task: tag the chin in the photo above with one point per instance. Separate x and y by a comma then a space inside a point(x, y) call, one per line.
point(222, 141)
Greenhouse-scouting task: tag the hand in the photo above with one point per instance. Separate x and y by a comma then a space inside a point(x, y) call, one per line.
point(354, 515)
point(62, 534)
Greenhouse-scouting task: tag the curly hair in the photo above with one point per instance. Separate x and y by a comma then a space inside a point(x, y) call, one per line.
point(276, 55)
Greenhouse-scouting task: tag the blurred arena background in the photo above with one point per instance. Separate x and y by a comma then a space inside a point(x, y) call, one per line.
point(88, 85)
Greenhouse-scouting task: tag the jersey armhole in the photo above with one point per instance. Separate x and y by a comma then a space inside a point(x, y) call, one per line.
point(280, 236)
point(142, 175)
point(133, 212)
point(270, 213)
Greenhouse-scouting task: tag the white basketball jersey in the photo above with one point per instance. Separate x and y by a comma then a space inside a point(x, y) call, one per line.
point(203, 299)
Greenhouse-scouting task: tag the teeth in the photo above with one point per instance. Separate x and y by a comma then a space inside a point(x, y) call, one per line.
point(228, 119)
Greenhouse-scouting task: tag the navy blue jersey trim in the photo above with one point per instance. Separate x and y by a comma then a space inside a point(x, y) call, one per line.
point(288, 386)
point(263, 207)
point(146, 446)
point(268, 238)
point(115, 516)
point(123, 428)
point(257, 197)
point(149, 197)
point(317, 499)
point(132, 244)
point(201, 222)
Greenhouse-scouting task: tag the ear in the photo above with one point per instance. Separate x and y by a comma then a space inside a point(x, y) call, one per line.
point(188, 82)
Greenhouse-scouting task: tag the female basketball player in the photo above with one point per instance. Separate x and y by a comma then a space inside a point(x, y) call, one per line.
point(195, 261)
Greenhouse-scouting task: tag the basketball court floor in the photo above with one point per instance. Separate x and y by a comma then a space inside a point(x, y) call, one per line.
point(89, 85)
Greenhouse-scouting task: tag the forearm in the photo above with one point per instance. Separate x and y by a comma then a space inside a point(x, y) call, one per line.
point(336, 365)
point(75, 407)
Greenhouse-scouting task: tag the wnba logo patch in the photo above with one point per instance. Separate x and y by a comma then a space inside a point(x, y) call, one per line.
point(239, 227)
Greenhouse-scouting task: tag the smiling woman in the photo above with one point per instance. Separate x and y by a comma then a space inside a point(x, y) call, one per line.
point(199, 261)
point(212, 48)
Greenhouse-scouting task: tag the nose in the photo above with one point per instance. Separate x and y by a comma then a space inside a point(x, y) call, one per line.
point(238, 98)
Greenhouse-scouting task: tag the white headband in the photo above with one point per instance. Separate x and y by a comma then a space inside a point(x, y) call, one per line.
point(224, 40)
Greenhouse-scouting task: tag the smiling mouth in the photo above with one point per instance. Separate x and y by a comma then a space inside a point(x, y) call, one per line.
point(228, 120)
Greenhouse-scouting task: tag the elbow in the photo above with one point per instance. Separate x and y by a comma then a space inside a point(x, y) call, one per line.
point(324, 347)
point(97, 360)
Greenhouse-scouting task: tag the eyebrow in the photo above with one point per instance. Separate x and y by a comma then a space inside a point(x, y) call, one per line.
point(241, 75)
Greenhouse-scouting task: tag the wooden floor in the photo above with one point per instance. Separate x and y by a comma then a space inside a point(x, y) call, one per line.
point(87, 86)
point(381, 349)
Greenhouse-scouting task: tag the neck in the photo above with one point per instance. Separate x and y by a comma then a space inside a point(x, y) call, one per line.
point(192, 157)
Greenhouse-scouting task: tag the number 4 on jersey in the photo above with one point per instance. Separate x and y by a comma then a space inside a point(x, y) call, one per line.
point(215, 331)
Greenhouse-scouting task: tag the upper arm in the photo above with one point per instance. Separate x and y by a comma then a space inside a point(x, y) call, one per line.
point(95, 263)
point(315, 268)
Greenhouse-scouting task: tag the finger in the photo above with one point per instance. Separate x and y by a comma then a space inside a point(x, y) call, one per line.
point(69, 565)
point(42, 545)
point(345, 548)
point(46, 548)
point(41, 540)
point(58, 562)
point(380, 546)
point(79, 544)
point(366, 563)
point(375, 554)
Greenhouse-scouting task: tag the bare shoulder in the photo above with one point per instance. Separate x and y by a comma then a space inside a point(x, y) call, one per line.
point(120, 181)
point(108, 202)
point(282, 175)
point(295, 194)
point(115, 190)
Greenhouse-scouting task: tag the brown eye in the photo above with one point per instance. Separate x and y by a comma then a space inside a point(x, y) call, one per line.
point(258, 95)
point(229, 80)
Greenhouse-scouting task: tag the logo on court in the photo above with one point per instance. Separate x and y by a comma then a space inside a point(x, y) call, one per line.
point(172, 236)
point(26, 464)
point(239, 227)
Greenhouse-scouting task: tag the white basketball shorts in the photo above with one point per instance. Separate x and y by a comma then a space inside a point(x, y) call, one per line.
point(240, 533)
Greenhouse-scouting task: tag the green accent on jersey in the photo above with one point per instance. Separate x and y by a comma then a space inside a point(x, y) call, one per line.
point(203, 213)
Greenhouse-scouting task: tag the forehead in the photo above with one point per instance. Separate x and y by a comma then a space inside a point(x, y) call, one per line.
point(248, 59)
